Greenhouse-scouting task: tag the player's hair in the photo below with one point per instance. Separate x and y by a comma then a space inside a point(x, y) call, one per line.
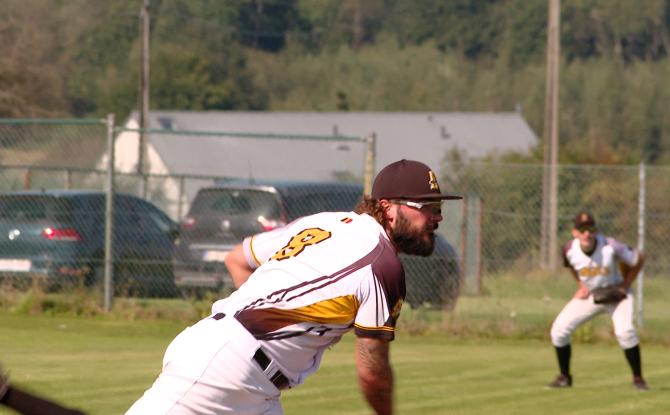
point(373, 208)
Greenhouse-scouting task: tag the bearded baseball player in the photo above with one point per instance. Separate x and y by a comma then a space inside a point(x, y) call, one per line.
point(300, 288)
point(604, 269)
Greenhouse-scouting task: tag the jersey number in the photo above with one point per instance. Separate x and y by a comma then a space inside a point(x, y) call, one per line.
point(298, 243)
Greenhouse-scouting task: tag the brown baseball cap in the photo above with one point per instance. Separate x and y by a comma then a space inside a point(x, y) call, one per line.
point(408, 179)
point(584, 219)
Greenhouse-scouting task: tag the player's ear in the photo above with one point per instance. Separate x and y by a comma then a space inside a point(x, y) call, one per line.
point(389, 212)
point(575, 233)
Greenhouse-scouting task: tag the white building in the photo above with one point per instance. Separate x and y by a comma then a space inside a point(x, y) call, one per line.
point(423, 136)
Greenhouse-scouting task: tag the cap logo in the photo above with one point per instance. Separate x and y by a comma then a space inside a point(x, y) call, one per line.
point(432, 180)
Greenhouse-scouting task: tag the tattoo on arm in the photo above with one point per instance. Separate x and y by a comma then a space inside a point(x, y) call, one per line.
point(375, 374)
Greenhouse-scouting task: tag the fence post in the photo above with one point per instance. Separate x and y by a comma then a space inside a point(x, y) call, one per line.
point(180, 199)
point(370, 158)
point(28, 179)
point(68, 178)
point(144, 185)
point(109, 206)
point(471, 260)
point(640, 244)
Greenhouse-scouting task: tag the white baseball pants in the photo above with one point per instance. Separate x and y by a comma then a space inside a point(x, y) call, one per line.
point(208, 369)
point(577, 312)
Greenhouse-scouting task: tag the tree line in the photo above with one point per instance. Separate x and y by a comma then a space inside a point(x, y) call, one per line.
point(79, 58)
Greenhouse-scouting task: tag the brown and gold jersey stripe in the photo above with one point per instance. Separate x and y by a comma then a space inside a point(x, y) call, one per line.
point(339, 311)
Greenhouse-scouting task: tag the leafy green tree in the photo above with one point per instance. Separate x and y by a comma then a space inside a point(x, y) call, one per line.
point(264, 24)
point(525, 32)
point(470, 27)
point(82, 58)
point(184, 78)
point(99, 39)
point(31, 71)
point(627, 29)
point(196, 60)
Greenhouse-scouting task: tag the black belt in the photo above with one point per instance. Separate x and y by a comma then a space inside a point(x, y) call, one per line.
point(278, 379)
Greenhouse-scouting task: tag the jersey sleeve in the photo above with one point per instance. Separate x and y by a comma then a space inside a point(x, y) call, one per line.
point(381, 297)
point(624, 253)
point(260, 247)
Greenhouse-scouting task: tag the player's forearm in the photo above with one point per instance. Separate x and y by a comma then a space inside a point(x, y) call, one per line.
point(379, 395)
point(237, 266)
point(630, 273)
point(375, 375)
point(239, 276)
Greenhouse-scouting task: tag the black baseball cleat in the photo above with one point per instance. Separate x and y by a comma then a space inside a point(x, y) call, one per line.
point(640, 384)
point(561, 381)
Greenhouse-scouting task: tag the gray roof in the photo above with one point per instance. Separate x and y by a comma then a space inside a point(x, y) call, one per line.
point(421, 136)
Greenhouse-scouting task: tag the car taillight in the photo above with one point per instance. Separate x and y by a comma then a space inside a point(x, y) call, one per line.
point(269, 224)
point(61, 234)
point(188, 223)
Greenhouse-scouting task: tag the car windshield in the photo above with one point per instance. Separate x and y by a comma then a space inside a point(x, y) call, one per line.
point(33, 208)
point(237, 202)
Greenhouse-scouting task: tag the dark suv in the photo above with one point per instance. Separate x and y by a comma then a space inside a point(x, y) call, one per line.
point(58, 236)
point(222, 215)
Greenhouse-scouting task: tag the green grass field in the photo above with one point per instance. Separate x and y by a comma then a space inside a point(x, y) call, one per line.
point(102, 366)
point(491, 355)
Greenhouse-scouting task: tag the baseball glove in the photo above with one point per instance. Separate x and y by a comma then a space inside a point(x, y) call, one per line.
point(608, 295)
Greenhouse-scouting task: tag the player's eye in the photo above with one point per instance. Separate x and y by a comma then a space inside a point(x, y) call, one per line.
point(434, 208)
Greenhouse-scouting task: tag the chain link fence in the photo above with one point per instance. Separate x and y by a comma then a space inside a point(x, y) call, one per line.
point(54, 179)
point(628, 202)
point(510, 205)
point(53, 199)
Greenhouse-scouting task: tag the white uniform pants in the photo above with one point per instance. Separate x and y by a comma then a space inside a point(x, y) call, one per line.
point(209, 369)
point(578, 311)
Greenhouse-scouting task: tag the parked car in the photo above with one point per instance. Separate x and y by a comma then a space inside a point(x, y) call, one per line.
point(58, 236)
point(222, 215)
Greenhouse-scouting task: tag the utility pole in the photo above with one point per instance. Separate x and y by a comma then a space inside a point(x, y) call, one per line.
point(548, 248)
point(259, 15)
point(144, 93)
point(370, 160)
point(357, 25)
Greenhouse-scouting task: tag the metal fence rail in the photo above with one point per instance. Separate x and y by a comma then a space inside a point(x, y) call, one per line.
point(495, 231)
point(511, 205)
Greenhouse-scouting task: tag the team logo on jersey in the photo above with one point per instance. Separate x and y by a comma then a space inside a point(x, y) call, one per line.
point(298, 243)
point(589, 272)
point(432, 181)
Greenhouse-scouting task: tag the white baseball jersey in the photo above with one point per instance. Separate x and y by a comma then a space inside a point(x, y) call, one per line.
point(317, 278)
point(601, 267)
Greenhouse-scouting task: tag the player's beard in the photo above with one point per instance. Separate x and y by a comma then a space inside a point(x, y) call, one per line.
point(413, 241)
